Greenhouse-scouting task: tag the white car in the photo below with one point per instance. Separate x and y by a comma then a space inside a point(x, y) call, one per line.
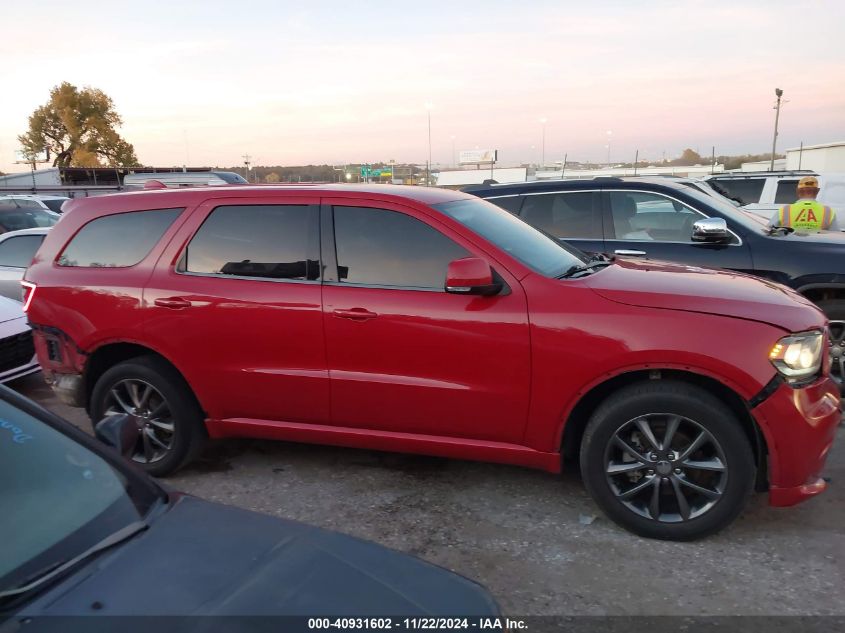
point(17, 353)
point(17, 248)
point(24, 212)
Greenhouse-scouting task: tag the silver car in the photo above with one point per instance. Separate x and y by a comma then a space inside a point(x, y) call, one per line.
point(17, 248)
point(17, 353)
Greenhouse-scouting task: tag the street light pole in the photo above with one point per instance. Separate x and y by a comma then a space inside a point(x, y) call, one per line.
point(428, 165)
point(779, 94)
point(608, 147)
point(543, 144)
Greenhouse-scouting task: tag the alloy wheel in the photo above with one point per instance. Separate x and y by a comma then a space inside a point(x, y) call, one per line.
point(140, 399)
point(665, 467)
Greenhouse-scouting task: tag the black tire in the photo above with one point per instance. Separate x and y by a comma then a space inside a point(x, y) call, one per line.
point(187, 437)
point(834, 309)
point(699, 414)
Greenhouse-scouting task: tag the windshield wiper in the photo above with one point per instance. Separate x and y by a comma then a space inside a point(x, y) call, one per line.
point(54, 570)
point(777, 229)
point(599, 261)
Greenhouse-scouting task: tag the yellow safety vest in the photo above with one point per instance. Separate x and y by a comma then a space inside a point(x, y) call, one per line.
point(806, 215)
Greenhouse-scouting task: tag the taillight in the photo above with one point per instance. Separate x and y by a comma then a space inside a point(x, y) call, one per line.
point(28, 294)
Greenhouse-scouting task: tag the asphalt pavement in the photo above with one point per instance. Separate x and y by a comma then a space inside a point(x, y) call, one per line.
point(535, 540)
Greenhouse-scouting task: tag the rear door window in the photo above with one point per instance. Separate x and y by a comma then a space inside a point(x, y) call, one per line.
point(745, 190)
point(17, 252)
point(264, 241)
point(786, 192)
point(119, 240)
point(570, 215)
point(510, 204)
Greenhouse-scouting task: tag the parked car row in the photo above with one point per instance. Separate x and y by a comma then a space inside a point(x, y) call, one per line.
point(431, 321)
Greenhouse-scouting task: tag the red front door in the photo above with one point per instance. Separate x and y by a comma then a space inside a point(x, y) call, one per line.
point(404, 355)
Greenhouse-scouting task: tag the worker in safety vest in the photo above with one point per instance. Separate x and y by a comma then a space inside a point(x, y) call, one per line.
point(807, 214)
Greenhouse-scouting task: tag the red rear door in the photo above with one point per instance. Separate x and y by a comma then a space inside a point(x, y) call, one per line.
point(235, 303)
point(404, 355)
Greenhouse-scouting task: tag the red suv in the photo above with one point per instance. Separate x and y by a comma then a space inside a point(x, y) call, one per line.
point(430, 321)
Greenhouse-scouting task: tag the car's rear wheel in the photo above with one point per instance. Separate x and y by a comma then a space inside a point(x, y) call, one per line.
point(667, 460)
point(172, 429)
point(835, 311)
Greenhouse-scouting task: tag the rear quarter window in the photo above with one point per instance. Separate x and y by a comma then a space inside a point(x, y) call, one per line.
point(117, 241)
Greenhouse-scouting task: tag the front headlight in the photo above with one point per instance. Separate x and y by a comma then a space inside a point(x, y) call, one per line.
point(798, 356)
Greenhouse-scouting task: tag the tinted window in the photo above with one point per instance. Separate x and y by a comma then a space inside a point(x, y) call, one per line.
point(651, 216)
point(267, 241)
point(55, 205)
point(536, 250)
point(19, 251)
point(387, 248)
point(510, 204)
point(569, 215)
point(123, 239)
point(24, 214)
point(746, 190)
point(786, 192)
point(230, 177)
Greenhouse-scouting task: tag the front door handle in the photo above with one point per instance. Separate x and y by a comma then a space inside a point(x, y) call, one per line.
point(356, 314)
point(174, 303)
point(630, 253)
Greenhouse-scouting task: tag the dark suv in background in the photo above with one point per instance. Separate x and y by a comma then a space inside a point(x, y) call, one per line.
point(662, 219)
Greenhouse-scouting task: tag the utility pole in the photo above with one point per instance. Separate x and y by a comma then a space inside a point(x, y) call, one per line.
point(246, 158)
point(779, 94)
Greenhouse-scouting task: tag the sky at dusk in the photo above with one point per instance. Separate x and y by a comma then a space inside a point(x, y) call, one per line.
point(348, 82)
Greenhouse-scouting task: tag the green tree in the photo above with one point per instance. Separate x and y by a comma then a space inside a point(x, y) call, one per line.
point(78, 127)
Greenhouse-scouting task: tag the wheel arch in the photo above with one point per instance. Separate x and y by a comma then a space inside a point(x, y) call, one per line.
point(578, 417)
point(110, 354)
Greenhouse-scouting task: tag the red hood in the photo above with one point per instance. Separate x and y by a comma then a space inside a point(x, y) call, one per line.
point(655, 284)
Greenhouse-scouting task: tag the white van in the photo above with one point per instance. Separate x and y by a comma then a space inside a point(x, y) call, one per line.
point(185, 179)
point(765, 192)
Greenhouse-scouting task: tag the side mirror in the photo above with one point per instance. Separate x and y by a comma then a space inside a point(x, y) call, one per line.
point(121, 432)
point(471, 276)
point(712, 230)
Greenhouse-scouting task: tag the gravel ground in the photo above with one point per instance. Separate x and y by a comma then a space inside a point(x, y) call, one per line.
point(535, 540)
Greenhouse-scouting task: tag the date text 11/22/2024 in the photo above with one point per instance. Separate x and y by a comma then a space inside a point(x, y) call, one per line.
point(429, 624)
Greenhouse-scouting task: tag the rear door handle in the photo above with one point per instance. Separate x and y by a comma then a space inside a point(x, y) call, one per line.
point(630, 253)
point(356, 314)
point(174, 303)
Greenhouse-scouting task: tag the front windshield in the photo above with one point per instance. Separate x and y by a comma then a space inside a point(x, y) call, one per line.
point(521, 241)
point(58, 497)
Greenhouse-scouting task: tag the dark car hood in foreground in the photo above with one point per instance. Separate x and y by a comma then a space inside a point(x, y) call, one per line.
point(657, 284)
point(202, 558)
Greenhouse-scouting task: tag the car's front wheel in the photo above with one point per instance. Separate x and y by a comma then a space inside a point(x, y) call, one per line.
point(172, 430)
point(667, 460)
